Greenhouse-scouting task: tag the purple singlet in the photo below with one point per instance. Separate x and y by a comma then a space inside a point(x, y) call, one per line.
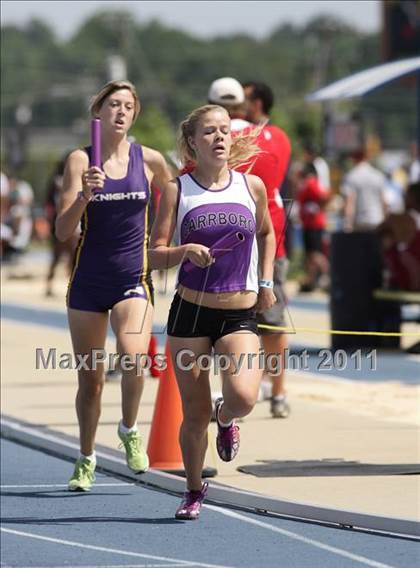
point(111, 258)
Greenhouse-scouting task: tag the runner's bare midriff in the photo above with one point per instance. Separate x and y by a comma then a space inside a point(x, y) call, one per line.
point(240, 300)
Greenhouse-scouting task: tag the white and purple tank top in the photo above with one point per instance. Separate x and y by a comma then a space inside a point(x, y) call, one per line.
point(223, 220)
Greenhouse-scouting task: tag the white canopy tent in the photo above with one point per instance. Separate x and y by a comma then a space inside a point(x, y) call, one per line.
point(368, 80)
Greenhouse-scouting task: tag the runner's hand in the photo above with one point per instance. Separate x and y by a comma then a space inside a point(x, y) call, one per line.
point(266, 299)
point(93, 178)
point(199, 255)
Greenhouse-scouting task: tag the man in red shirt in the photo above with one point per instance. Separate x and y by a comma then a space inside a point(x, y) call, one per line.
point(249, 108)
point(271, 165)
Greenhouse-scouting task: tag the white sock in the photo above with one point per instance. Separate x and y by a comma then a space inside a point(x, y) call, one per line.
point(279, 397)
point(124, 430)
point(223, 424)
point(91, 458)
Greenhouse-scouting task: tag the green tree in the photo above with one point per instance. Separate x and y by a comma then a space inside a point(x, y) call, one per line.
point(154, 129)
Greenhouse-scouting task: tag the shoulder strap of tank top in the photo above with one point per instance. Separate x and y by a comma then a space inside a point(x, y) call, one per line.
point(138, 149)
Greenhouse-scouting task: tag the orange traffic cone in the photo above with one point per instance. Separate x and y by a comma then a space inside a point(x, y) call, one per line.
point(163, 449)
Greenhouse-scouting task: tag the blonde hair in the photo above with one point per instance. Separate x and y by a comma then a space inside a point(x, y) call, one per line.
point(243, 145)
point(110, 88)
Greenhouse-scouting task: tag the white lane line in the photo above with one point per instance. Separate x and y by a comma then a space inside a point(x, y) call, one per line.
point(61, 485)
point(295, 536)
point(110, 566)
point(111, 550)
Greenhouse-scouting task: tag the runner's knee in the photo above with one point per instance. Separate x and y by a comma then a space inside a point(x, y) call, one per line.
point(91, 384)
point(241, 404)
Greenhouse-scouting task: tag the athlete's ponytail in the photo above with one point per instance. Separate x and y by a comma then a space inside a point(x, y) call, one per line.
point(243, 145)
point(244, 149)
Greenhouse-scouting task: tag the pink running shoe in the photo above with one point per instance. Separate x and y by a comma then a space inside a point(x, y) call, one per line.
point(190, 506)
point(228, 439)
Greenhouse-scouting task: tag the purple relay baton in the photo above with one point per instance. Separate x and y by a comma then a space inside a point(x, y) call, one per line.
point(220, 247)
point(95, 133)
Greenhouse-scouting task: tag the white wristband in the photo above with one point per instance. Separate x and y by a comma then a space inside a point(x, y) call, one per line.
point(265, 284)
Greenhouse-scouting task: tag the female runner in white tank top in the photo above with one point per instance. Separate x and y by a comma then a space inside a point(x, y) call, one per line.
point(226, 251)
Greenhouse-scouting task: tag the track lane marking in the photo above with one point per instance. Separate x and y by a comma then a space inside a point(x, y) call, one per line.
point(43, 485)
point(108, 566)
point(111, 550)
point(296, 536)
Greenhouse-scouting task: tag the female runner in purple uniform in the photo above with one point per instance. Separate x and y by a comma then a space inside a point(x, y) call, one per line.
point(111, 272)
point(226, 247)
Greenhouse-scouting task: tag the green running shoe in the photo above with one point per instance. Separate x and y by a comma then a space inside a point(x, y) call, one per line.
point(83, 476)
point(137, 459)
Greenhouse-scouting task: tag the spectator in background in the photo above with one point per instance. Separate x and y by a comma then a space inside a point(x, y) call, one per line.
point(59, 249)
point(271, 165)
point(312, 198)
point(312, 156)
point(249, 106)
point(414, 171)
point(394, 190)
point(19, 217)
point(4, 191)
point(401, 241)
point(364, 192)
point(229, 93)
point(6, 232)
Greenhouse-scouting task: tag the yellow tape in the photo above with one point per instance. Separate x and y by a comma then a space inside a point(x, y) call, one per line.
point(336, 332)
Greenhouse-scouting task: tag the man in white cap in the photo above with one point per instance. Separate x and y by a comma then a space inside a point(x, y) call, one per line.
point(254, 101)
point(229, 93)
